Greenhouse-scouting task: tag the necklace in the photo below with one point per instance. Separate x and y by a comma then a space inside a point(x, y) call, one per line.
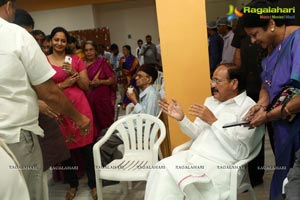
point(269, 75)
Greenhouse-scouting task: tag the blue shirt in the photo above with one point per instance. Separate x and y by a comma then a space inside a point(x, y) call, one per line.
point(148, 102)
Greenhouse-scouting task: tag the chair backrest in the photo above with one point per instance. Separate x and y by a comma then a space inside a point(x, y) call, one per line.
point(140, 132)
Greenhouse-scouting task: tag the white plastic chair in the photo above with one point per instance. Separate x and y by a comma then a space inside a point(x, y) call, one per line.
point(158, 82)
point(285, 181)
point(236, 169)
point(139, 133)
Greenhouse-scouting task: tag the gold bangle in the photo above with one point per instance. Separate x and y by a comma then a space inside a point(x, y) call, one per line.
point(287, 111)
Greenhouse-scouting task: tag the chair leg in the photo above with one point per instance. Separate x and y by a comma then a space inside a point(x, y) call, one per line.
point(124, 187)
point(129, 185)
point(252, 193)
point(160, 155)
point(99, 188)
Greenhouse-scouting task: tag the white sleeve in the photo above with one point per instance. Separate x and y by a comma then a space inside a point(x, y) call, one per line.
point(238, 141)
point(34, 60)
point(192, 130)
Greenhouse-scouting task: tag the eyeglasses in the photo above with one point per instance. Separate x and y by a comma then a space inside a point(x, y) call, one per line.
point(217, 81)
point(141, 76)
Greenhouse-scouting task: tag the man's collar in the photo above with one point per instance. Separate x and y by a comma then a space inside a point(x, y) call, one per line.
point(239, 99)
point(145, 91)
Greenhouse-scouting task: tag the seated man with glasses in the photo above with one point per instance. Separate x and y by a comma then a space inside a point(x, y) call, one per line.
point(145, 102)
point(203, 171)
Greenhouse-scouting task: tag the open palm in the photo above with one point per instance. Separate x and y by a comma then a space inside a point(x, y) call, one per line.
point(172, 109)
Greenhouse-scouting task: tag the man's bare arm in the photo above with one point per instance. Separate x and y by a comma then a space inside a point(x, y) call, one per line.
point(55, 98)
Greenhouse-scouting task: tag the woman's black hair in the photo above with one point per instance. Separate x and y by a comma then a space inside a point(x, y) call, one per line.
point(60, 30)
point(128, 48)
point(251, 20)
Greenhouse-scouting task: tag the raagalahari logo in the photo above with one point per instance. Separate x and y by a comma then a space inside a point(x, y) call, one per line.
point(233, 13)
point(265, 13)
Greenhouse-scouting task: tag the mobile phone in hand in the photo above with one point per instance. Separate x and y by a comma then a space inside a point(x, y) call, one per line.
point(68, 59)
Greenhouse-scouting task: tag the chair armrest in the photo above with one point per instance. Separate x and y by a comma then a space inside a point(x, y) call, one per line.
point(237, 167)
point(97, 146)
point(182, 147)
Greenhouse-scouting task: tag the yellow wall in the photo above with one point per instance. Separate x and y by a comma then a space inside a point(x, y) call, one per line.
point(182, 29)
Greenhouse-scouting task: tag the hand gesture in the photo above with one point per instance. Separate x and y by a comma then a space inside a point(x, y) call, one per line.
point(84, 125)
point(172, 109)
point(250, 114)
point(203, 113)
point(259, 118)
point(71, 80)
point(95, 83)
point(46, 110)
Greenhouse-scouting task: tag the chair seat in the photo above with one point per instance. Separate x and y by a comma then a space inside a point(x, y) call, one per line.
point(131, 168)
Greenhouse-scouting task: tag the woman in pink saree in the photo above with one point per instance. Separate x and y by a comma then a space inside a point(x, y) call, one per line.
point(72, 79)
point(102, 81)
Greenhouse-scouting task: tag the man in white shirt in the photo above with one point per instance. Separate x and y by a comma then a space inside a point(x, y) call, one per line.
point(138, 50)
point(14, 187)
point(198, 173)
point(224, 29)
point(25, 75)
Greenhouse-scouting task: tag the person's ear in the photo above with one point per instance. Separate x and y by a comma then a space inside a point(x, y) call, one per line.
point(234, 84)
point(272, 25)
point(150, 79)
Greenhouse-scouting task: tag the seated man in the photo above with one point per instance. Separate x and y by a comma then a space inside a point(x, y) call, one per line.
point(202, 172)
point(146, 103)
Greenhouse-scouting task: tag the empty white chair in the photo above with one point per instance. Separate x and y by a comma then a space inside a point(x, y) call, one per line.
point(139, 133)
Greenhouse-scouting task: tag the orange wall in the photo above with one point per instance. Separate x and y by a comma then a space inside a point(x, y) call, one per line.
point(182, 29)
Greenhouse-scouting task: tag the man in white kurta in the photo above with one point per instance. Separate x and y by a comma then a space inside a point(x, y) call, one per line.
point(203, 171)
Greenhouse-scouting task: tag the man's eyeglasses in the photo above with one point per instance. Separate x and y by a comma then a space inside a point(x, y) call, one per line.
point(141, 76)
point(217, 81)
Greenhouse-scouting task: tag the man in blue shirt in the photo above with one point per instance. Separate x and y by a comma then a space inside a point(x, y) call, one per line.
point(145, 102)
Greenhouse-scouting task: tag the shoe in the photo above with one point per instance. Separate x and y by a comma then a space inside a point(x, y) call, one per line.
point(71, 194)
point(257, 183)
point(94, 193)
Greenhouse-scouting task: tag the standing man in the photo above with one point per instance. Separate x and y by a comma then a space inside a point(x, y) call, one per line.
point(25, 76)
point(224, 29)
point(149, 52)
point(138, 50)
point(215, 46)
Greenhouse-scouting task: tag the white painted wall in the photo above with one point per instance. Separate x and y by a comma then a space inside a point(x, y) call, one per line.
point(137, 18)
point(73, 18)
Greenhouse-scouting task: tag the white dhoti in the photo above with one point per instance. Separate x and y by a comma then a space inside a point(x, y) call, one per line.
point(188, 176)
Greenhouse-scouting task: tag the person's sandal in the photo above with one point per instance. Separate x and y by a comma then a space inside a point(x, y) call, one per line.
point(71, 194)
point(94, 193)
